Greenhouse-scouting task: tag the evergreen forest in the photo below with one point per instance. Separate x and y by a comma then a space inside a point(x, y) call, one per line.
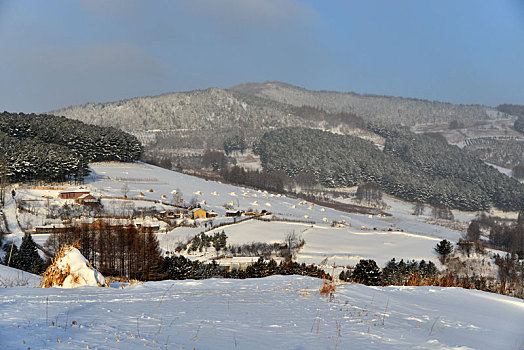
point(413, 167)
point(52, 148)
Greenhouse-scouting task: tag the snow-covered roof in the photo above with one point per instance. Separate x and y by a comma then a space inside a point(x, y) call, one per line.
point(233, 211)
point(85, 196)
point(50, 226)
point(71, 190)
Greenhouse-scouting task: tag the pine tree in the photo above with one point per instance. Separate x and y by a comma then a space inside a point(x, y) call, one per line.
point(444, 248)
point(345, 275)
point(367, 272)
point(389, 273)
point(30, 260)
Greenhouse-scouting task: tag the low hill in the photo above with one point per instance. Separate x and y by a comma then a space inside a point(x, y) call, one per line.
point(47, 147)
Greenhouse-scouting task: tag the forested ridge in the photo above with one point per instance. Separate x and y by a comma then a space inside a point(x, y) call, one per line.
point(412, 167)
point(47, 147)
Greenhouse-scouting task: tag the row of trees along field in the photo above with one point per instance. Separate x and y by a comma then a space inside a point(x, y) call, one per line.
point(126, 252)
point(115, 250)
point(47, 147)
point(413, 167)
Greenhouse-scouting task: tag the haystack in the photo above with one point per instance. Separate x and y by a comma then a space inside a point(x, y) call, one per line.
point(71, 269)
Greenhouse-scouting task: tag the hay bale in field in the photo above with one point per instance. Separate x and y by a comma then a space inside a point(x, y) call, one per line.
point(70, 269)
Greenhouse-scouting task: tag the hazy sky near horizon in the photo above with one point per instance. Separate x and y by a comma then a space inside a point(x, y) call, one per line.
point(60, 53)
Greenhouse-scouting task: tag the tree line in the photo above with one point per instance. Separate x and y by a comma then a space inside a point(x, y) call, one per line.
point(115, 250)
point(179, 267)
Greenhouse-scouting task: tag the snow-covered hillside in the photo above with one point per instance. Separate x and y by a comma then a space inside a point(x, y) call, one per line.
point(363, 236)
point(271, 313)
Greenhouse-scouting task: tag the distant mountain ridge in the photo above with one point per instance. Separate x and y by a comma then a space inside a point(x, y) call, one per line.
point(389, 109)
point(261, 105)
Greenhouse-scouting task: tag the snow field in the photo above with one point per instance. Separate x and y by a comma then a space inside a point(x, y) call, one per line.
point(366, 237)
point(108, 178)
point(342, 246)
point(282, 312)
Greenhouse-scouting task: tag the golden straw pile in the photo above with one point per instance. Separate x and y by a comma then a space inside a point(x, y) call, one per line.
point(54, 276)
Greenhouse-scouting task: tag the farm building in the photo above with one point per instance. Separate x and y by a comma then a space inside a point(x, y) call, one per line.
point(146, 226)
point(237, 263)
point(72, 194)
point(86, 198)
point(48, 229)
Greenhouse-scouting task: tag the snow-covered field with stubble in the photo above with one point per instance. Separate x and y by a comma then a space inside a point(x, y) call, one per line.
point(279, 312)
point(363, 236)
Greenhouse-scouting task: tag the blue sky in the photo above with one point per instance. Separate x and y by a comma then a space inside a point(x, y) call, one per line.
point(55, 54)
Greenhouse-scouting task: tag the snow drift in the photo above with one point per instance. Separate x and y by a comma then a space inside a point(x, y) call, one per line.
point(71, 269)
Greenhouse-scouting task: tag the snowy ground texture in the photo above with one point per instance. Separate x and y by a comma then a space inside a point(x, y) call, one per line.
point(10, 277)
point(279, 312)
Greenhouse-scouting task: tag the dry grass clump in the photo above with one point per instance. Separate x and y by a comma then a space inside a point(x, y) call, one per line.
point(328, 287)
point(122, 279)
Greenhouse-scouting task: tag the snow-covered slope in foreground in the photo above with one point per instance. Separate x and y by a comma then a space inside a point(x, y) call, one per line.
point(271, 313)
point(10, 277)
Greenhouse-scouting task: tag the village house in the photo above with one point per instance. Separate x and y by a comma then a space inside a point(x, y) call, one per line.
point(197, 213)
point(237, 263)
point(172, 214)
point(48, 229)
point(233, 213)
point(72, 194)
point(145, 226)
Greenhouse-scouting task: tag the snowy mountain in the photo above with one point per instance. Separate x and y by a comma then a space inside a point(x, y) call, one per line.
point(407, 111)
